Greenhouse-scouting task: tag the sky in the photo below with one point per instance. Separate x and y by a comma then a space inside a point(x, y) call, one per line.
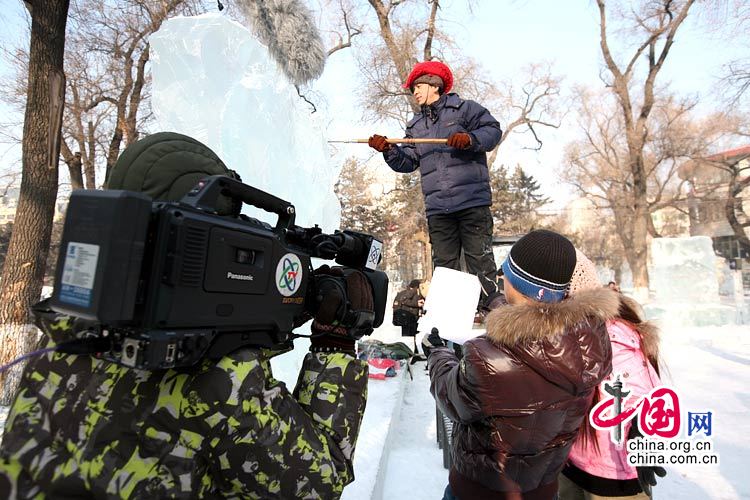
point(505, 36)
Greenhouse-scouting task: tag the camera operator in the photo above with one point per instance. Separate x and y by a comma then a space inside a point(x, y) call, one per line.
point(83, 427)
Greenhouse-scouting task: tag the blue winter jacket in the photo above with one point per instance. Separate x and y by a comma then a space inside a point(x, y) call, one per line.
point(452, 179)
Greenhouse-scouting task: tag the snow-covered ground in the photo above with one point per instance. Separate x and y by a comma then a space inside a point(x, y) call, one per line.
point(397, 455)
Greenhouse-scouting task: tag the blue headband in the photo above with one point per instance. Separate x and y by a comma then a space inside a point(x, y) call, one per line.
point(531, 286)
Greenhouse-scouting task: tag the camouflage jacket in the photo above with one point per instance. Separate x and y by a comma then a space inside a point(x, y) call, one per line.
point(81, 427)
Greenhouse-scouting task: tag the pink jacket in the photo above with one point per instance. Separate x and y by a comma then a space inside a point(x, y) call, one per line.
point(638, 377)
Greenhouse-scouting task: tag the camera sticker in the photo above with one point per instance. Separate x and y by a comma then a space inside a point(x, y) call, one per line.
point(288, 275)
point(78, 275)
point(373, 258)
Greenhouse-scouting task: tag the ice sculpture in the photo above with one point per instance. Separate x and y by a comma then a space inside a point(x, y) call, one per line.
point(684, 281)
point(214, 81)
point(684, 270)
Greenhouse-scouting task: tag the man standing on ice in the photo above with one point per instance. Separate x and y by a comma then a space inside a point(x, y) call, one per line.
point(455, 177)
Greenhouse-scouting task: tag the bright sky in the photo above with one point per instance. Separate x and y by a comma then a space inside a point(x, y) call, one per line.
point(505, 36)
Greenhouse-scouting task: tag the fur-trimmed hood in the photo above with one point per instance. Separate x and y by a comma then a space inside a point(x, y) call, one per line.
point(542, 320)
point(566, 342)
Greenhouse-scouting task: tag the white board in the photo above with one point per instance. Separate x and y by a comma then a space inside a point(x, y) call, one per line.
point(450, 305)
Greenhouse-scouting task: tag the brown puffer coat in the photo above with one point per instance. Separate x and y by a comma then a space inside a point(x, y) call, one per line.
point(408, 300)
point(521, 391)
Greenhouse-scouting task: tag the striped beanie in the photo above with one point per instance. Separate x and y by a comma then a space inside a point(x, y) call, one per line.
point(540, 265)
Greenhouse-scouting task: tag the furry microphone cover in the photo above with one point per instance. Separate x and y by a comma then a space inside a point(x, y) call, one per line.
point(293, 40)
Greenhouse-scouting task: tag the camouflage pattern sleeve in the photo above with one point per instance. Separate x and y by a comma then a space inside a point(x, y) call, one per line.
point(301, 446)
point(83, 427)
point(332, 389)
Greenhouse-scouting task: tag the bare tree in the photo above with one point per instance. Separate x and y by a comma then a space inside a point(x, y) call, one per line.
point(348, 28)
point(734, 209)
point(653, 26)
point(112, 81)
point(107, 99)
point(719, 182)
point(736, 80)
point(600, 162)
point(24, 266)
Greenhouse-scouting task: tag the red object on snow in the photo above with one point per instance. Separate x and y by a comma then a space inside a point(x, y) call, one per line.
point(431, 68)
point(380, 368)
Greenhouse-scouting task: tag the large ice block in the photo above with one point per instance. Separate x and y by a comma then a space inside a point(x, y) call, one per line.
point(212, 80)
point(684, 270)
point(684, 281)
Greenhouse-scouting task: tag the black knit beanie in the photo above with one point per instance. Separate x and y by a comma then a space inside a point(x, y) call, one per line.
point(540, 265)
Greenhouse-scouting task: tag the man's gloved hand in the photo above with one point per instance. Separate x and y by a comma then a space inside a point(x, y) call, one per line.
point(379, 143)
point(459, 140)
point(340, 295)
point(646, 475)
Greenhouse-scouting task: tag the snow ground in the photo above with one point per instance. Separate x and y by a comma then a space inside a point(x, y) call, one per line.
point(397, 454)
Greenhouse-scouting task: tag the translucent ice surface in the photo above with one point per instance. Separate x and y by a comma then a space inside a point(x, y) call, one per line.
point(212, 80)
point(684, 270)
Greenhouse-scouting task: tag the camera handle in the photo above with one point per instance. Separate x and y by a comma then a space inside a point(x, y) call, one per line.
point(205, 195)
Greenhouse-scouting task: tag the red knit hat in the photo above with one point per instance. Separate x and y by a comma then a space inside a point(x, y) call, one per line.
point(431, 68)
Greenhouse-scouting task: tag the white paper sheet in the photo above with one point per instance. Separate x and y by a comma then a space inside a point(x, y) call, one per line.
point(450, 305)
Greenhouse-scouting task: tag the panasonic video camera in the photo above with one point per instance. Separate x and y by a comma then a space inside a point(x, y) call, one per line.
point(168, 283)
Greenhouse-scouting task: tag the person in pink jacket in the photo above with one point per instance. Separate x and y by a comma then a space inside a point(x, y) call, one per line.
point(597, 468)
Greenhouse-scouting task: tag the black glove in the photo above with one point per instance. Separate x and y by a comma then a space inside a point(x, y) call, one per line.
point(339, 295)
point(379, 143)
point(459, 140)
point(646, 475)
point(434, 339)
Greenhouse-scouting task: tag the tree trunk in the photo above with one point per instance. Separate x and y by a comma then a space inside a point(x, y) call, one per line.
point(73, 161)
point(730, 210)
point(401, 61)
point(426, 254)
point(114, 150)
point(89, 167)
point(639, 262)
point(24, 267)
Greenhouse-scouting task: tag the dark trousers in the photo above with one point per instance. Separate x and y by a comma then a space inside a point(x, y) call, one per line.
point(469, 230)
point(410, 328)
point(448, 494)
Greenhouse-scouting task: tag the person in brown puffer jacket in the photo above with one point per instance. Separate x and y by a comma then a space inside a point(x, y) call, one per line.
point(410, 303)
point(522, 390)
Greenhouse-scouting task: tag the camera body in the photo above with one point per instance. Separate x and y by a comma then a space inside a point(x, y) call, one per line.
point(172, 282)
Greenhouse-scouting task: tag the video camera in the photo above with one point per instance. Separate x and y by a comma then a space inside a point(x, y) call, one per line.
point(165, 284)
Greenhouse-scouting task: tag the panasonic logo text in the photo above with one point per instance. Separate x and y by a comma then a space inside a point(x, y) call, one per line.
point(241, 277)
